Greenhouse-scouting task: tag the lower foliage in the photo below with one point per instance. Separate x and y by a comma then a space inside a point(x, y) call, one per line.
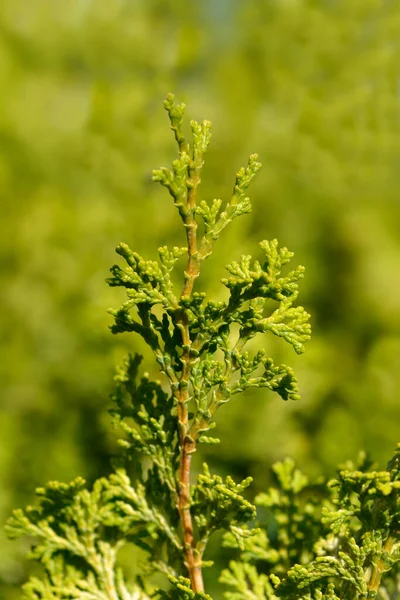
point(332, 540)
point(321, 540)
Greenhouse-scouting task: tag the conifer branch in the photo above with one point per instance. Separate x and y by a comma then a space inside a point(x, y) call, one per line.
point(335, 539)
point(201, 137)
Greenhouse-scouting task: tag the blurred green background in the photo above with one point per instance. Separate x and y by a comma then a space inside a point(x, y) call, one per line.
point(313, 86)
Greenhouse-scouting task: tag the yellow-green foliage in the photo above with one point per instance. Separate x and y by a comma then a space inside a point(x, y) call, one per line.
point(313, 86)
point(334, 539)
point(199, 346)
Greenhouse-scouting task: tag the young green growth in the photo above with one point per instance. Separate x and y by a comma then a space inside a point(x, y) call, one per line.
point(200, 347)
point(193, 331)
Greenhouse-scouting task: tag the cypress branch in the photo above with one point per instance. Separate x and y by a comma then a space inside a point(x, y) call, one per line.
point(335, 539)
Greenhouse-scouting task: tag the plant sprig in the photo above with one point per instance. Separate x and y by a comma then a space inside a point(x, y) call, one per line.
point(199, 345)
point(192, 341)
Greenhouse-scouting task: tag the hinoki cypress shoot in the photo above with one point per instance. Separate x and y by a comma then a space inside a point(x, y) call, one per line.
point(333, 540)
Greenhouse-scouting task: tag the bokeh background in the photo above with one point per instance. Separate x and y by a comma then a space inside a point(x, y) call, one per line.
point(313, 86)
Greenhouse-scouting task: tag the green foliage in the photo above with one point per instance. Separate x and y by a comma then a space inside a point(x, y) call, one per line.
point(77, 536)
point(78, 532)
point(219, 505)
point(327, 540)
point(335, 540)
point(148, 283)
point(181, 590)
point(313, 87)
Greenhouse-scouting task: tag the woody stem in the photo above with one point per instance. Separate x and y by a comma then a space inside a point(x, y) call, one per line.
point(187, 443)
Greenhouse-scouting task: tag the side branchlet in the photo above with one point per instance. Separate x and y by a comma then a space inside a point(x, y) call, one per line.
point(336, 540)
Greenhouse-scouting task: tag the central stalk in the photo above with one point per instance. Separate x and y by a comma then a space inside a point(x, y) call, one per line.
point(193, 559)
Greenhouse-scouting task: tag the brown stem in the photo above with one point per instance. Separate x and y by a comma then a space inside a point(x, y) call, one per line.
point(192, 557)
point(193, 560)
